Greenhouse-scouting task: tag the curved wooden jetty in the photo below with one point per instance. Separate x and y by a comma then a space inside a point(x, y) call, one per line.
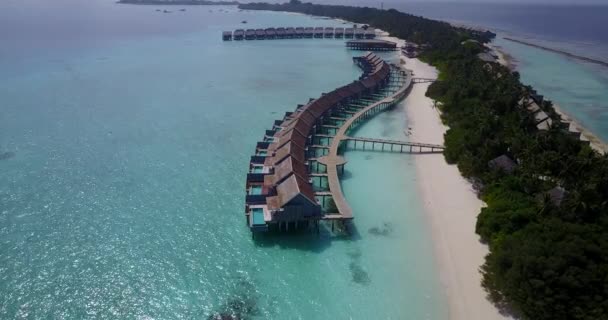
point(285, 186)
point(334, 162)
point(414, 147)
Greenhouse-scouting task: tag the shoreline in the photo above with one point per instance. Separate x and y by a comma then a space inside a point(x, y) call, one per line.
point(504, 58)
point(507, 60)
point(450, 204)
point(595, 142)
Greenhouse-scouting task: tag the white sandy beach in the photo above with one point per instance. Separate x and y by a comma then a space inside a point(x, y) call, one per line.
point(450, 204)
point(451, 207)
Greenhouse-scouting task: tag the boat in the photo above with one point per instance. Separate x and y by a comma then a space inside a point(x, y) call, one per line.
point(244, 21)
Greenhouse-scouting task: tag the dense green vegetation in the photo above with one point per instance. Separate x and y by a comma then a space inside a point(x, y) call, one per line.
point(547, 261)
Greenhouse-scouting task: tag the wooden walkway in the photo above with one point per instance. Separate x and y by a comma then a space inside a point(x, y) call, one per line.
point(333, 160)
point(414, 147)
point(423, 80)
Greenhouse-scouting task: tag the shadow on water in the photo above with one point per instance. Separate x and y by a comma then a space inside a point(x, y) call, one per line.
point(346, 175)
point(309, 238)
point(306, 240)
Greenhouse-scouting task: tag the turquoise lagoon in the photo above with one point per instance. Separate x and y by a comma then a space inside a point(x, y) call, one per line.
point(132, 130)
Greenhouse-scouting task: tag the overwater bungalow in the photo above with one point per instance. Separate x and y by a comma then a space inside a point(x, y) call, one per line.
point(329, 32)
point(227, 35)
point(370, 34)
point(290, 33)
point(271, 33)
point(299, 33)
point(359, 33)
point(339, 33)
point(309, 32)
point(260, 34)
point(238, 34)
point(371, 45)
point(283, 170)
point(281, 34)
point(319, 32)
point(349, 33)
point(250, 34)
point(279, 191)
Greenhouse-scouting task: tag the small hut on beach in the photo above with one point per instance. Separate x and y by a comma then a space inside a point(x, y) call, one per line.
point(503, 163)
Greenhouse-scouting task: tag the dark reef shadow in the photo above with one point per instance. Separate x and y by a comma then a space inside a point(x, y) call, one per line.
point(6, 155)
point(358, 273)
point(384, 230)
point(242, 304)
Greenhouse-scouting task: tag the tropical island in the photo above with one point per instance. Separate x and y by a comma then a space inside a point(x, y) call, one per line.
point(546, 215)
point(180, 2)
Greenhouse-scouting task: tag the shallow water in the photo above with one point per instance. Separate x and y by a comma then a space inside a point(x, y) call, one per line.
point(129, 133)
